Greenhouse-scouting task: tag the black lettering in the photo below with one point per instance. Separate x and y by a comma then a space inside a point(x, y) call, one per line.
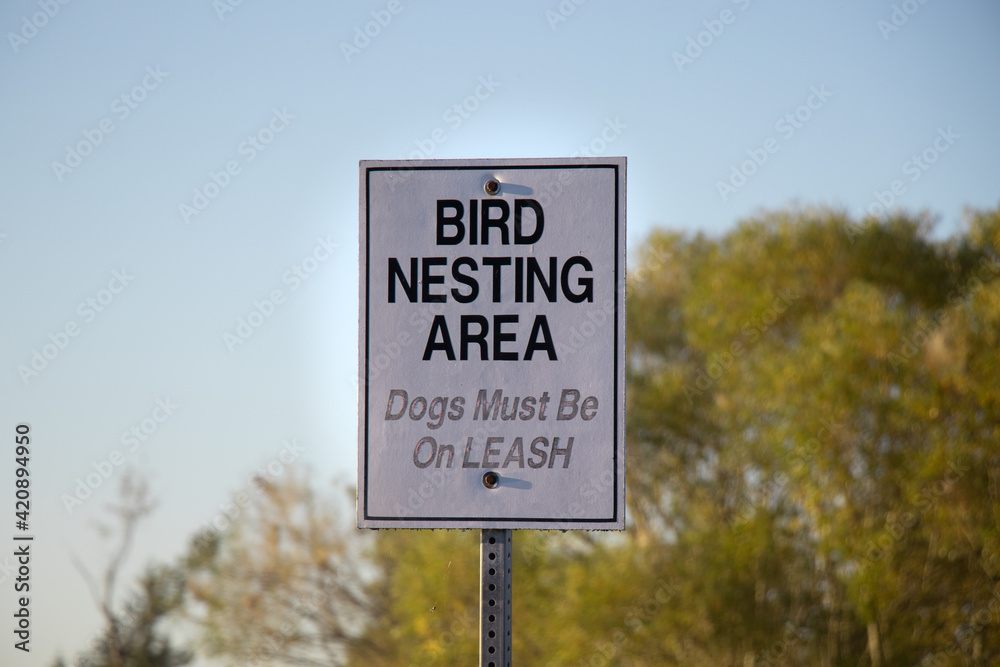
point(496, 223)
point(540, 329)
point(439, 325)
point(518, 279)
point(499, 337)
point(473, 222)
point(496, 263)
point(479, 338)
point(519, 205)
point(429, 280)
point(409, 286)
point(548, 286)
point(472, 283)
point(453, 221)
point(587, 283)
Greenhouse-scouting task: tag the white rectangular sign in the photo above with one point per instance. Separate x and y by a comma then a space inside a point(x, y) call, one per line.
point(492, 344)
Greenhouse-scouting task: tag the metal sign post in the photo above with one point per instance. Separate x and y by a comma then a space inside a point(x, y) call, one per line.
point(495, 559)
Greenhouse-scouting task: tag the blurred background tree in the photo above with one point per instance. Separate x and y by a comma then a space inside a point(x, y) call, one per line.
point(286, 580)
point(134, 633)
point(813, 478)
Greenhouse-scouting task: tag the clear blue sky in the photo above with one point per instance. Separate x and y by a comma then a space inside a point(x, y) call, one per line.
point(198, 81)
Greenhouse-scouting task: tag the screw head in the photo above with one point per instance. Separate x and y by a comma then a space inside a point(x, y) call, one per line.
point(491, 480)
point(492, 186)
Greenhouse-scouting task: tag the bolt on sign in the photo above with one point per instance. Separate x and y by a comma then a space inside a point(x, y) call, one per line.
point(492, 343)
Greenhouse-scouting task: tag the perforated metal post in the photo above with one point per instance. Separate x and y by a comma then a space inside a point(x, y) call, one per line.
point(495, 559)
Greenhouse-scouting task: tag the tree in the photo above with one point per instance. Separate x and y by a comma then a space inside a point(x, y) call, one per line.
point(813, 478)
point(285, 582)
point(132, 634)
point(828, 388)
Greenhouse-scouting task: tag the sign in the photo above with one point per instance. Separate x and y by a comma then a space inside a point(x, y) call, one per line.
point(492, 343)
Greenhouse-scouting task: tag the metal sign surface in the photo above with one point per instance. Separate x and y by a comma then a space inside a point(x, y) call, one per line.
point(491, 344)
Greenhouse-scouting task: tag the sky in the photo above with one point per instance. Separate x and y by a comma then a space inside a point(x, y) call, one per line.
point(167, 169)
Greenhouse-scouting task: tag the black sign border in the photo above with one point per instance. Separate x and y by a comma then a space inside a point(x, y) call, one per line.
point(619, 276)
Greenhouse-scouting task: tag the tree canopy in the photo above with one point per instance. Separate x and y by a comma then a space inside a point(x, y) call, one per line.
point(813, 477)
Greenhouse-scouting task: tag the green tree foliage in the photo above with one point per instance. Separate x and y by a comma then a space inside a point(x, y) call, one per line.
point(134, 634)
point(138, 637)
point(285, 581)
point(813, 478)
point(830, 442)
